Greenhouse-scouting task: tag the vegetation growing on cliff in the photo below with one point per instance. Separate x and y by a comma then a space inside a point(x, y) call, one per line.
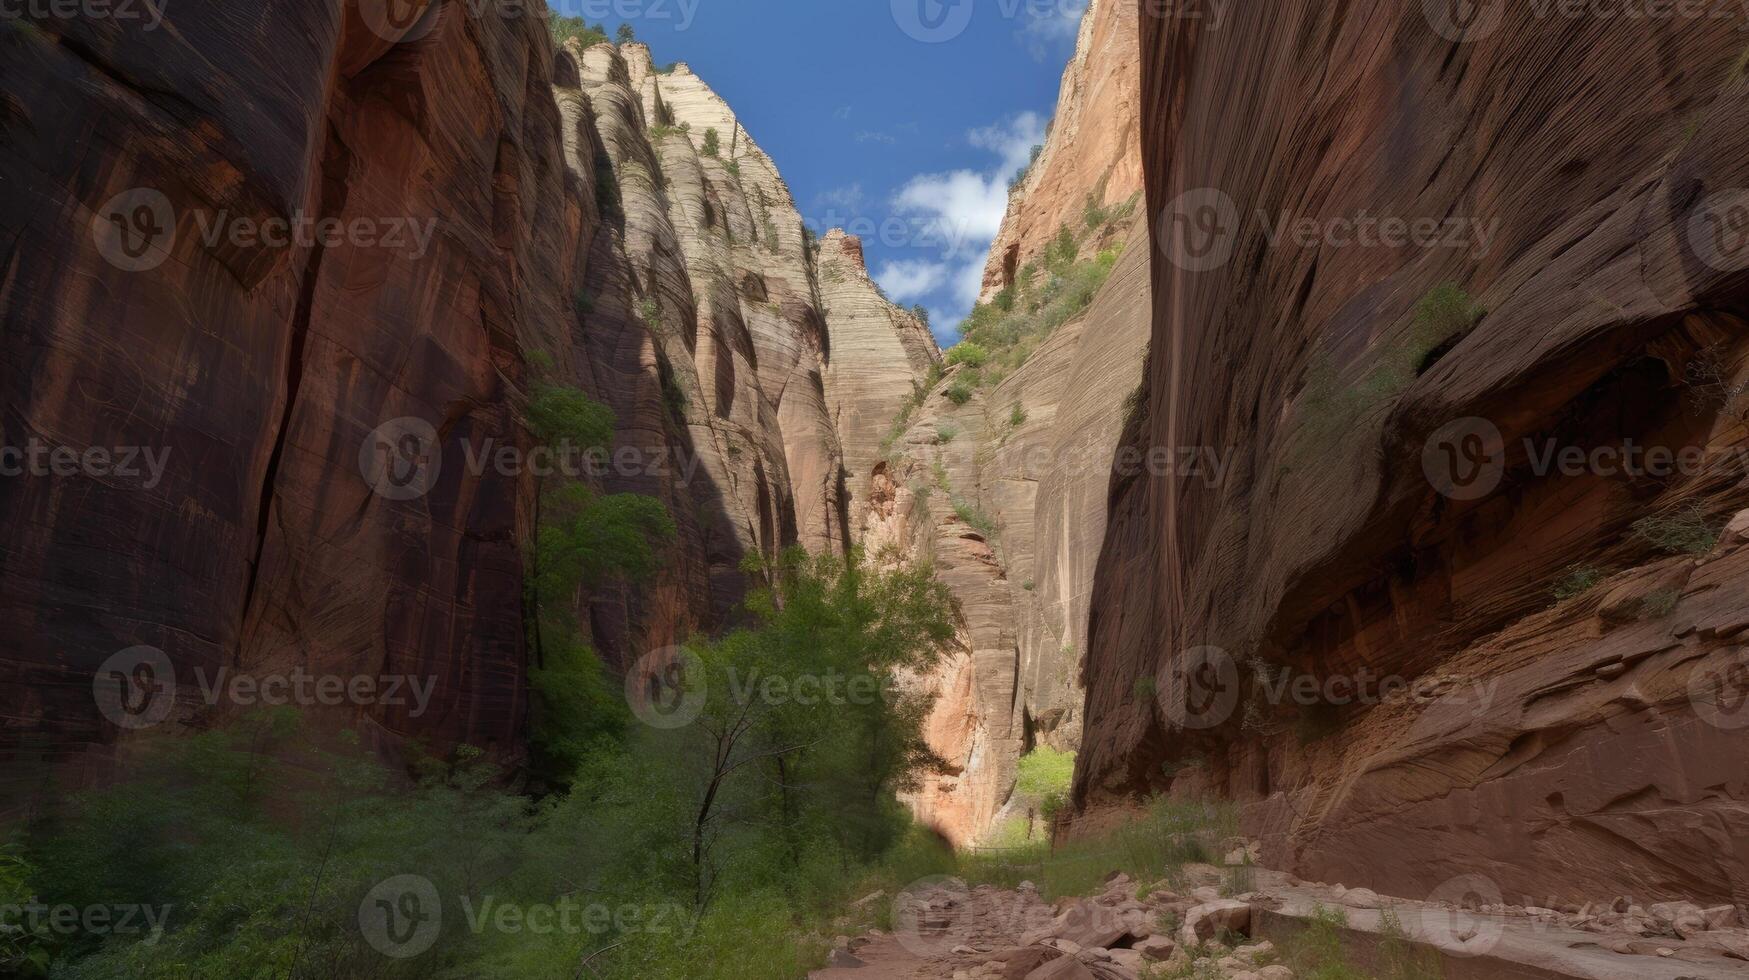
point(999, 335)
point(564, 29)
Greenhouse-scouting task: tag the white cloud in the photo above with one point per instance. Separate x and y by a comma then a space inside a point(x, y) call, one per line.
point(869, 136)
point(842, 112)
point(849, 197)
point(1045, 30)
point(960, 213)
point(912, 279)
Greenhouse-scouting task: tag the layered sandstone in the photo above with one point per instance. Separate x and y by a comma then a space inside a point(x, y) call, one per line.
point(1092, 151)
point(1569, 749)
point(1005, 494)
point(579, 236)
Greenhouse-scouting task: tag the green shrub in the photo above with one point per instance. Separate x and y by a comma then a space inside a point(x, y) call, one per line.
point(626, 34)
point(563, 29)
point(946, 432)
point(1017, 417)
point(972, 514)
point(1660, 603)
point(969, 354)
point(712, 143)
point(1686, 531)
point(1576, 581)
point(959, 392)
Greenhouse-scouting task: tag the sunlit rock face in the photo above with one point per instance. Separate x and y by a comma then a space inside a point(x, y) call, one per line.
point(1566, 735)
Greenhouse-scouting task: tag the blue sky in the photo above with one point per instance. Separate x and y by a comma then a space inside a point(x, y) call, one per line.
point(902, 119)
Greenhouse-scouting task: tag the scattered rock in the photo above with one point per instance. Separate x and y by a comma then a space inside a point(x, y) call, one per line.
point(844, 959)
point(1157, 948)
point(1361, 898)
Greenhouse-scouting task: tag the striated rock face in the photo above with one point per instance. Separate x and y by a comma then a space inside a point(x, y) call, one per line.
point(1012, 513)
point(1563, 743)
point(561, 222)
point(262, 368)
point(1092, 150)
point(879, 354)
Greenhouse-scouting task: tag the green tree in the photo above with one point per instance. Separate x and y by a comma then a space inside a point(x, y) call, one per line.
point(625, 34)
point(712, 143)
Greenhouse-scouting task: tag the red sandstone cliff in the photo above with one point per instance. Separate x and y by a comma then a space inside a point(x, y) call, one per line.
point(577, 231)
point(1600, 157)
point(1092, 152)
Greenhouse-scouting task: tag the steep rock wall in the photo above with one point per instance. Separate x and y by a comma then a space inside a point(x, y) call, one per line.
point(579, 235)
point(1092, 149)
point(1594, 152)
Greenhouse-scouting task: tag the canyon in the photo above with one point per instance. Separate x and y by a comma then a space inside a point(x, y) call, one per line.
point(1249, 460)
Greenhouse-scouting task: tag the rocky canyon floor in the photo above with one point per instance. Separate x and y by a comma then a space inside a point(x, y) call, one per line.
point(1283, 929)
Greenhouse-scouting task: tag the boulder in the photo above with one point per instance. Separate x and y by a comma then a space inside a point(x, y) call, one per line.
point(1206, 921)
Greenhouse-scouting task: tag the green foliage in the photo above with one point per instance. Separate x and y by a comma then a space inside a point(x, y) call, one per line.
point(746, 829)
point(1017, 417)
point(625, 34)
point(563, 29)
point(590, 539)
point(1660, 604)
point(1685, 531)
point(921, 312)
point(712, 143)
point(967, 353)
point(558, 415)
point(959, 392)
point(1061, 252)
point(582, 303)
point(1019, 318)
point(946, 432)
point(1155, 846)
point(1576, 581)
point(974, 515)
point(1333, 409)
